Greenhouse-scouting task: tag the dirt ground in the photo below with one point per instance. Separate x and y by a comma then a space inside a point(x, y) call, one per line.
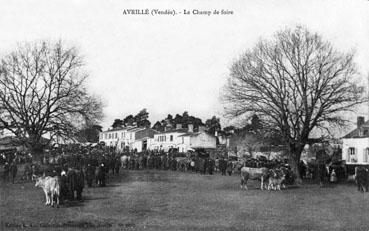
point(166, 200)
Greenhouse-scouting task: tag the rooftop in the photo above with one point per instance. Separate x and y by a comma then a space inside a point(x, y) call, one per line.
point(360, 132)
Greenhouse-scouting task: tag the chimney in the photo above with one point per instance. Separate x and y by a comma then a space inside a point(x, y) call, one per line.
point(190, 128)
point(201, 128)
point(178, 126)
point(360, 121)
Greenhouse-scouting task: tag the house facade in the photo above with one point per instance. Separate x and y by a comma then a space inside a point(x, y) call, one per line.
point(127, 138)
point(196, 140)
point(355, 148)
point(183, 139)
point(166, 140)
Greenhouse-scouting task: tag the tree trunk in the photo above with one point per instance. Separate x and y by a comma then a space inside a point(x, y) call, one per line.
point(294, 161)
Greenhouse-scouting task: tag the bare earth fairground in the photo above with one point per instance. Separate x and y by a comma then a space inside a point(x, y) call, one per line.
point(166, 200)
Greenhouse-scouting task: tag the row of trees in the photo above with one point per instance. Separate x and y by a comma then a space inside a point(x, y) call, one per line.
point(140, 120)
point(170, 122)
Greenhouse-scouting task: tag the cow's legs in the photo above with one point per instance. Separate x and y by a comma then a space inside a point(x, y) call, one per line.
point(57, 200)
point(46, 197)
point(52, 199)
point(245, 183)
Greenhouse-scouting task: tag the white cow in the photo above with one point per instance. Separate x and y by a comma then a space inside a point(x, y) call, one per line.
point(124, 161)
point(51, 187)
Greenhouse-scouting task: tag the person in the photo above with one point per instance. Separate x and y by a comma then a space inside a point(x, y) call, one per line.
point(6, 171)
point(211, 165)
point(90, 174)
point(229, 168)
point(322, 171)
point(302, 169)
point(333, 178)
point(223, 166)
point(192, 165)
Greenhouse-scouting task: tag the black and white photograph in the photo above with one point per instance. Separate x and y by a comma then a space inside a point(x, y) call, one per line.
point(184, 115)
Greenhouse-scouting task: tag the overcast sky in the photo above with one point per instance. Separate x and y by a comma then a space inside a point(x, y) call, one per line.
point(171, 64)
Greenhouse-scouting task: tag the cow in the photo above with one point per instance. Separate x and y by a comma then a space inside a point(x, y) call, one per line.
point(253, 174)
point(362, 178)
point(275, 179)
point(51, 188)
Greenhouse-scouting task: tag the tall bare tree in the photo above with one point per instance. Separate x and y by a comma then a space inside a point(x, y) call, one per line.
point(295, 82)
point(42, 92)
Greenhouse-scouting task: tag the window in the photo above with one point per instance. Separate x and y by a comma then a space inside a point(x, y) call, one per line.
point(366, 154)
point(106, 136)
point(366, 132)
point(171, 138)
point(162, 138)
point(116, 135)
point(109, 135)
point(352, 155)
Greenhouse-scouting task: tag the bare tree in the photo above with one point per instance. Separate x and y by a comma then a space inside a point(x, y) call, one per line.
point(42, 92)
point(295, 83)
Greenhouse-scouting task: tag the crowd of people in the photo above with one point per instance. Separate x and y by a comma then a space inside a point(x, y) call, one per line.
point(96, 162)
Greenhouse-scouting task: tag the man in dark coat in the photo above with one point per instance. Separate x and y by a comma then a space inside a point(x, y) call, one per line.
point(229, 167)
point(76, 182)
point(6, 171)
point(211, 165)
point(362, 178)
point(13, 170)
point(323, 174)
point(90, 174)
point(100, 176)
point(63, 186)
point(222, 166)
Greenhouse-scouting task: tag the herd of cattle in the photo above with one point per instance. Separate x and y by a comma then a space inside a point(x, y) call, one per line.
point(63, 177)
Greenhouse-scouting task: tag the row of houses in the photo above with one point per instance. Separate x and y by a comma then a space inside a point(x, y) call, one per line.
point(355, 145)
point(141, 139)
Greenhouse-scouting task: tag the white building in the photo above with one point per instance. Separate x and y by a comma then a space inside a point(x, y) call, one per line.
point(183, 139)
point(127, 137)
point(166, 140)
point(355, 149)
point(196, 140)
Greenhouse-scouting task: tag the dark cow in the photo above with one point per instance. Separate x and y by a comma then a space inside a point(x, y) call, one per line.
point(362, 178)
